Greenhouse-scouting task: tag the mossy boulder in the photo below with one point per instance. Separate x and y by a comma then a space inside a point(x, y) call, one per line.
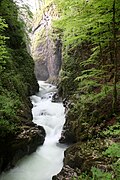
point(82, 156)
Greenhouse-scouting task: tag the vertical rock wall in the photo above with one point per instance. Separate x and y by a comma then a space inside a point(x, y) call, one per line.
point(46, 46)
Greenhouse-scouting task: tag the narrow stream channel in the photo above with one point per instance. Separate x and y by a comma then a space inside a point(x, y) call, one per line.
point(48, 159)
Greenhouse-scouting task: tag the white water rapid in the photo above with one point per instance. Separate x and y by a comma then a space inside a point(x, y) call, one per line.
point(48, 159)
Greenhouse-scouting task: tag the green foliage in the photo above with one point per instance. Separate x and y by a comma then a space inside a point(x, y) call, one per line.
point(16, 69)
point(97, 174)
point(7, 128)
point(89, 23)
point(3, 25)
point(7, 106)
point(113, 150)
point(116, 167)
point(113, 131)
point(3, 50)
point(90, 73)
point(15, 27)
point(9, 103)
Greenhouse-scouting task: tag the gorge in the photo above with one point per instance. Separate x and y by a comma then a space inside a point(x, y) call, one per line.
point(45, 44)
point(75, 46)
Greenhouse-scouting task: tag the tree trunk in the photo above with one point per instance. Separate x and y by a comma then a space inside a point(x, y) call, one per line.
point(115, 60)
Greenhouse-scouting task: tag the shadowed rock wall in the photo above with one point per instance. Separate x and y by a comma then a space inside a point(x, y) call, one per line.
point(46, 46)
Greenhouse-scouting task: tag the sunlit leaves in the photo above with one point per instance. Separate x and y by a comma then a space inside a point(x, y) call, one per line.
point(3, 50)
point(78, 18)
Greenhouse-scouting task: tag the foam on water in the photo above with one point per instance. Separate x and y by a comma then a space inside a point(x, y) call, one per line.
point(48, 159)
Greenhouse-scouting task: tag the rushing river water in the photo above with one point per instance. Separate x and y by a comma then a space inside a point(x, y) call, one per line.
point(48, 159)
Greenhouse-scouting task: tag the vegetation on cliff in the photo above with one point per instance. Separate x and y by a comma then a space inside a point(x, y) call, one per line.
point(16, 69)
point(17, 83)
point(90, 79)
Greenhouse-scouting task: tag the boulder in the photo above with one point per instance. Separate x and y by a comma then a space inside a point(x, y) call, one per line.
point(26, 141)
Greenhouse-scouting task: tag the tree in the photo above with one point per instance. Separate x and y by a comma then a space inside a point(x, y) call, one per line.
point(95, 23)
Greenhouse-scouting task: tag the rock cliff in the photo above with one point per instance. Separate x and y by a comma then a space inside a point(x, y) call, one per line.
point(46, 46)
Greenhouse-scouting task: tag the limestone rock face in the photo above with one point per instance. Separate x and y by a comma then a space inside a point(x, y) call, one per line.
point(41, 70)
point(46, 46)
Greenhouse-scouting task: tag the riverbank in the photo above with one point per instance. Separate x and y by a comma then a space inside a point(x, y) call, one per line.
point(95, 142)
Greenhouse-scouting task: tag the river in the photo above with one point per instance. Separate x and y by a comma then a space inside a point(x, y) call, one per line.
point(48, 158)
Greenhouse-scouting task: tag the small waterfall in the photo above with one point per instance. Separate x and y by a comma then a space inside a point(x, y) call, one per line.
point(48, 159)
